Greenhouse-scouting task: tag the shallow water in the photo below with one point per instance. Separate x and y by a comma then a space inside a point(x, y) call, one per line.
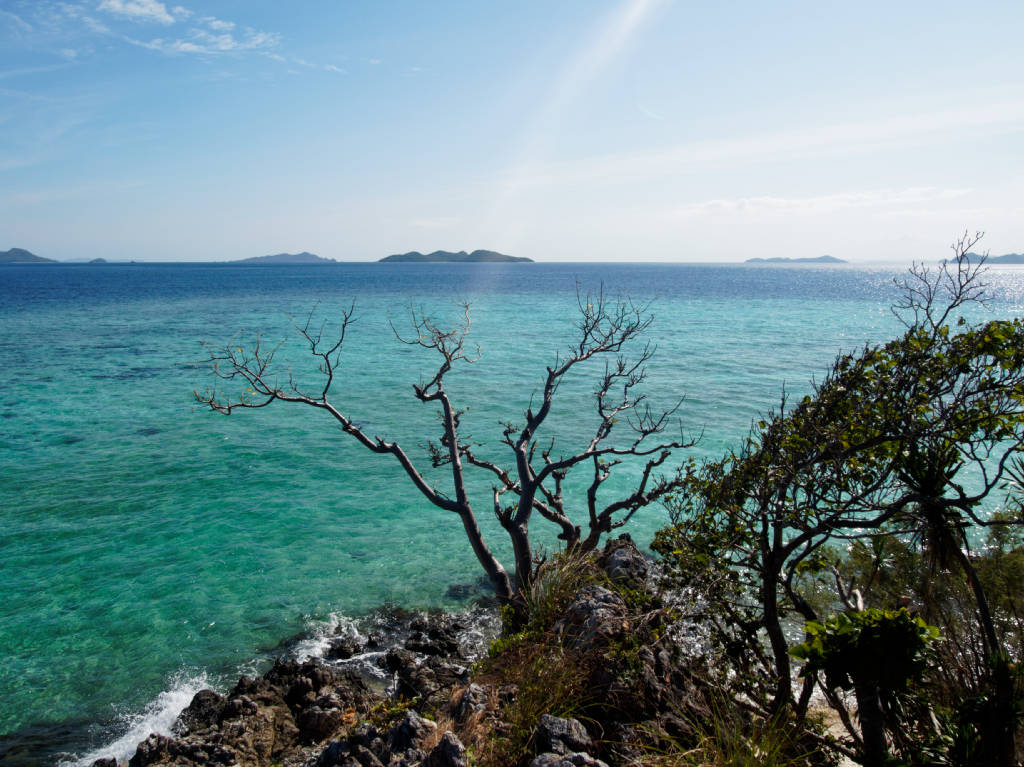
point(149, 546)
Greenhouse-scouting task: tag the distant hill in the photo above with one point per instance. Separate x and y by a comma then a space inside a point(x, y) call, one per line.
point(476, 257)
point(780, 260)
point(286, 258)
point(22, 256)
point(1009, 258)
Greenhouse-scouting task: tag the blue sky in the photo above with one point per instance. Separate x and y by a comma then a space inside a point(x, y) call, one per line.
point(643, 130)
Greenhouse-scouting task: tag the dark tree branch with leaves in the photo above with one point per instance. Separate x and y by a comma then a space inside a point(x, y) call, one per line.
point(534, 478)
point(903, 440)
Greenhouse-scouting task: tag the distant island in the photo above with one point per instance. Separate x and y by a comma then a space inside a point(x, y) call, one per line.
point(1009, 258)
point(286, 258)
point(22, 256)
point(462, 257)
point(781, 260)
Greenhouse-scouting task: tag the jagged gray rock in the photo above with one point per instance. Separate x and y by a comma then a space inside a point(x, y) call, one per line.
point(260, 721)
point(472, 701)
point(567, 760)
point(203, 712)
point(624, 563)
point(342, 648)
point(596, 615)
point(410, 732)
point(561, 736)
point(449, 752)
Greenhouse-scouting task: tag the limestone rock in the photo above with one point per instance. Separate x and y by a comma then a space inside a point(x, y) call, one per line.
point(342, 648)
point(449, 752)
point(561, 736)
point(202, 713)
point(567, 760)
point(624, 563)
point(595, 616)
point(473, 700)
point(159, 749)
point(410, 732)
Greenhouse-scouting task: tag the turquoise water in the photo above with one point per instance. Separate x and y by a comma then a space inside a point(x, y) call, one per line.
point(149, 545)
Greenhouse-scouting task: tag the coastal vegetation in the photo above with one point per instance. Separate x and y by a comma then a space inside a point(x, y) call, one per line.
point(867, 512)
point(848, 582)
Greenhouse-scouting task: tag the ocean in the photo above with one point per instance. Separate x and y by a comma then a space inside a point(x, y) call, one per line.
point(149, 547)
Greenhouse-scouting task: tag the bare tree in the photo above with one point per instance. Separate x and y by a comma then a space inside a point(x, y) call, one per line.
point(534, 478)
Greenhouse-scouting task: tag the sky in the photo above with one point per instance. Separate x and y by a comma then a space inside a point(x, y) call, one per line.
point(568, 130)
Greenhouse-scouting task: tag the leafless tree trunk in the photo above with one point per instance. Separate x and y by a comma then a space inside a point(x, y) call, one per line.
point(534, 479)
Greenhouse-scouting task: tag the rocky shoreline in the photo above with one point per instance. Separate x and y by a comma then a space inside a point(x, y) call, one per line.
point(439, 698)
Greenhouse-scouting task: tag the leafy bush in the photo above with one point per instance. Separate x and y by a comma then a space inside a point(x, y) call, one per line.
point(876, 485)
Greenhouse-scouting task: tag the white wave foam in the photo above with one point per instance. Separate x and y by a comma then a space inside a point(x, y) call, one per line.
point(157, 717)
point(321, 632)
point(161, 713)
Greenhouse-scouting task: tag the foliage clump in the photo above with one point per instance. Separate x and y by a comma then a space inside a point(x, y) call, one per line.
point(624, 676)
point(875, 489)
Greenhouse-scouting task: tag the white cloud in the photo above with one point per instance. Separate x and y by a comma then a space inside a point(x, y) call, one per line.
point(218, 24)
point(56, 16)
point(138, 10)
point(332, 68)
point(205, 42)
point(180, 46)
point(180, 12)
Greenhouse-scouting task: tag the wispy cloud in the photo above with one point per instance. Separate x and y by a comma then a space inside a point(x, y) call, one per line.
point(826, 203)
point(11, 162)
point(69, 24)
point(837, 140)
point(203, 41)
point(138, 10)
point(15, 21)
point(608, 40)
point(47, 195)
point(10, 73)
point(218, 24)
point(56, 18)
point(646, 111)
